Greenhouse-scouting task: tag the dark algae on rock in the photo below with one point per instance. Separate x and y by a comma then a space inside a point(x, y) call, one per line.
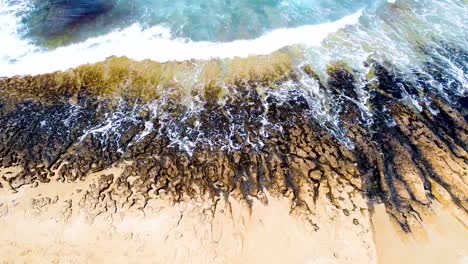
point(240, 135)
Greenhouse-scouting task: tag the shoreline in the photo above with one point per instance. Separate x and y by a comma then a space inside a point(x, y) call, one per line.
point(334, 157)
point(156, 44)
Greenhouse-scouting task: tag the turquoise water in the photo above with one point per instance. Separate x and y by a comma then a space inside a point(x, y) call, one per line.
point(225, 20)
point(197, 20)
point(68, 33)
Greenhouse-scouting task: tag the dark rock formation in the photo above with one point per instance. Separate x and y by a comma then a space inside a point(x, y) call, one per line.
point(405, 157)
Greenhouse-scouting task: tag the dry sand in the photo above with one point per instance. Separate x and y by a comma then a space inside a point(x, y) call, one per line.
point(441, 239)
point(50, 224)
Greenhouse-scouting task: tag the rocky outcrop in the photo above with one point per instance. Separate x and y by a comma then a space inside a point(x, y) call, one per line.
point(236, 137)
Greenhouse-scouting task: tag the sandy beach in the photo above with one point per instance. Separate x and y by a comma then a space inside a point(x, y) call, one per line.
point(54, 223)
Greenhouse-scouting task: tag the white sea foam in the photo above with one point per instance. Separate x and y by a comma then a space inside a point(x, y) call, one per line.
point(11, 44)
point(18, 57)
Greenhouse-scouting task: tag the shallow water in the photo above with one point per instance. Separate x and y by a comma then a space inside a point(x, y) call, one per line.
point(35, 31)
point(213, 20)
point(90, 31)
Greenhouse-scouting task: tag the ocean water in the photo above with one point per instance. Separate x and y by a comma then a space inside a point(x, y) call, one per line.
point(70, 33)
point(209, 20)
point(423, 42)
point(161, 30)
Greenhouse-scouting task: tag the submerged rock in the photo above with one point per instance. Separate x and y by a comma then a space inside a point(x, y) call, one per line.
point(55, 20)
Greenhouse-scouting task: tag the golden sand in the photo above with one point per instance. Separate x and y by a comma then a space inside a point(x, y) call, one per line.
point(50, 223)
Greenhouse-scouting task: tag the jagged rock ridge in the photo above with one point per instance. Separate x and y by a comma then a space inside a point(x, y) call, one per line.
point(250, 136)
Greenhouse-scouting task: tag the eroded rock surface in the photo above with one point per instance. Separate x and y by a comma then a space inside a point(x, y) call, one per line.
point(242, 137)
